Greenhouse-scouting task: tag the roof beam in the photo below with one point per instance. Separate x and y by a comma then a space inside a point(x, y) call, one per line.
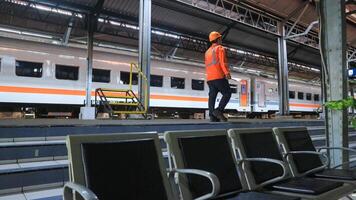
point(303, 6)
point(99, 6)
point(298, 18)
point(66, 35)
point(225, 33)
point(162, 27)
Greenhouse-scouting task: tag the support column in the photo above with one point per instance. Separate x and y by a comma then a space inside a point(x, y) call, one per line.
point(88, 112)
point(333, 45)
point(145, 49)
point(322, 115)
point(283, 72)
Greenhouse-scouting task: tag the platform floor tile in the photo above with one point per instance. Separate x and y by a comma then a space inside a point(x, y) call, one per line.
point(9, 166)
point(13, 197)
point(51, 194)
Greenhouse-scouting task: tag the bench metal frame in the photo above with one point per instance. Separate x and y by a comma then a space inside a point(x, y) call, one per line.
point(76, 165)
point(175, 155)
point(282, 141)
point(77, 178)
point(240, 154)
point(288, 154)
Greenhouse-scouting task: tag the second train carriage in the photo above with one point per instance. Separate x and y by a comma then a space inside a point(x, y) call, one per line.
point(53, 77)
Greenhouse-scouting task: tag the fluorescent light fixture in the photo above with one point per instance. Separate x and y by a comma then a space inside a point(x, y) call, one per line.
point(116, 47)
point(36, 35)
point(46, 8)
point(10, 30)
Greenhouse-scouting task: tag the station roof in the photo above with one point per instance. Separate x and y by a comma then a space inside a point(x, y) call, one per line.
point(251, 25)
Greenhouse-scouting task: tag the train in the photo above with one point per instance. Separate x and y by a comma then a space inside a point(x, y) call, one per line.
point(48, 79)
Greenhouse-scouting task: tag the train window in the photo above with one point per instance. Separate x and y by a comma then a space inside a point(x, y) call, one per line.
point(233, 88)
point(65, 72)
point(270, 90)
point(101, 75)
point(178, 83)
point(29, 69)
point(197, 84)
point(292, 94)
point(300, 95)
point(309, 96)
point(316, 97)
point(156, 81)
point(125, 78)
point(0, 64)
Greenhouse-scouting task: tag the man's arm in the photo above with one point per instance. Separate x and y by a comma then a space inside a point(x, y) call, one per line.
point(223, 62)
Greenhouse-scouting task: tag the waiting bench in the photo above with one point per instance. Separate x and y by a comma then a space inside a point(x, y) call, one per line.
point(123, 166)
point(274, 173)
point(208, 164)
point(305, 160)
point(210, 150)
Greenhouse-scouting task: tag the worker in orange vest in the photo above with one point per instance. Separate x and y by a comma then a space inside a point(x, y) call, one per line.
point(217, 73)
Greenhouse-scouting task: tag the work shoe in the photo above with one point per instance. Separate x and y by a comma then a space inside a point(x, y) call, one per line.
point(218, 114)
point(214, 119)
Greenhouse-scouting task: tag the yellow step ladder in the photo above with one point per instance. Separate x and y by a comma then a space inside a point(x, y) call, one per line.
point(122, 101)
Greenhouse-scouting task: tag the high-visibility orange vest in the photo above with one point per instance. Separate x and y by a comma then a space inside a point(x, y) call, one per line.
point(216, 63)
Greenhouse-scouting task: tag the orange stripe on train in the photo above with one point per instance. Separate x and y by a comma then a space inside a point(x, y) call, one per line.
point(82, 93)
point(52, 91)
point(41, 90)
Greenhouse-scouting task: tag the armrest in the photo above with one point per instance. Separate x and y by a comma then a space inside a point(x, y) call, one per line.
point(212, 178)
point(325, 163)
point(269, 160)
point(344, 163)
point(84, 192)
point(339, 148)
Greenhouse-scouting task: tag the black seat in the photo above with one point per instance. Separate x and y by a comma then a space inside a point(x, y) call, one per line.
point(342, 174)
point(264, 145)
point(123, 170)
point(213, 154)
point(300, 140)
point(307, 185)
point(123, 166)
point(260, 196)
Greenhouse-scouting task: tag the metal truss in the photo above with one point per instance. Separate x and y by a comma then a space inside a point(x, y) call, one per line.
point(111, 26)
point(351, 55)
point(232, 10)
point(303, 35)
point(174, 40)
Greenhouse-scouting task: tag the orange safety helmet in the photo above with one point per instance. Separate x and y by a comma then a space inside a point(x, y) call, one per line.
point(214, 35)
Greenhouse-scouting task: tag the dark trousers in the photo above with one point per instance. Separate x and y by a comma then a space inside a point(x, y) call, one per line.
point(216, 86)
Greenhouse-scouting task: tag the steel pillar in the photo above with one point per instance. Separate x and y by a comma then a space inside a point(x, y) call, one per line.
point(333, 46)
point(322, 115)
point(283, 72)
point(88, 112)
point(145, 48)
point(89, 60)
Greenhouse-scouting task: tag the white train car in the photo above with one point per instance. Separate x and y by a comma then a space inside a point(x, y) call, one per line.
point(52, 77)
point(302, 97)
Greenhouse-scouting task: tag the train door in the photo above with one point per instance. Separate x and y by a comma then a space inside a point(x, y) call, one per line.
point(261, 94)
point(244, 93)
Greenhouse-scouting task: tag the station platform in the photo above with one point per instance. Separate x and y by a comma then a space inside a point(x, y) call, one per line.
point(62, 127)
point(77, 122)
point(33, 155)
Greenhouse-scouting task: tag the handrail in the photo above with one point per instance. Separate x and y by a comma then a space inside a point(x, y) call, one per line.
point(142, 75)
point(143, 107)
